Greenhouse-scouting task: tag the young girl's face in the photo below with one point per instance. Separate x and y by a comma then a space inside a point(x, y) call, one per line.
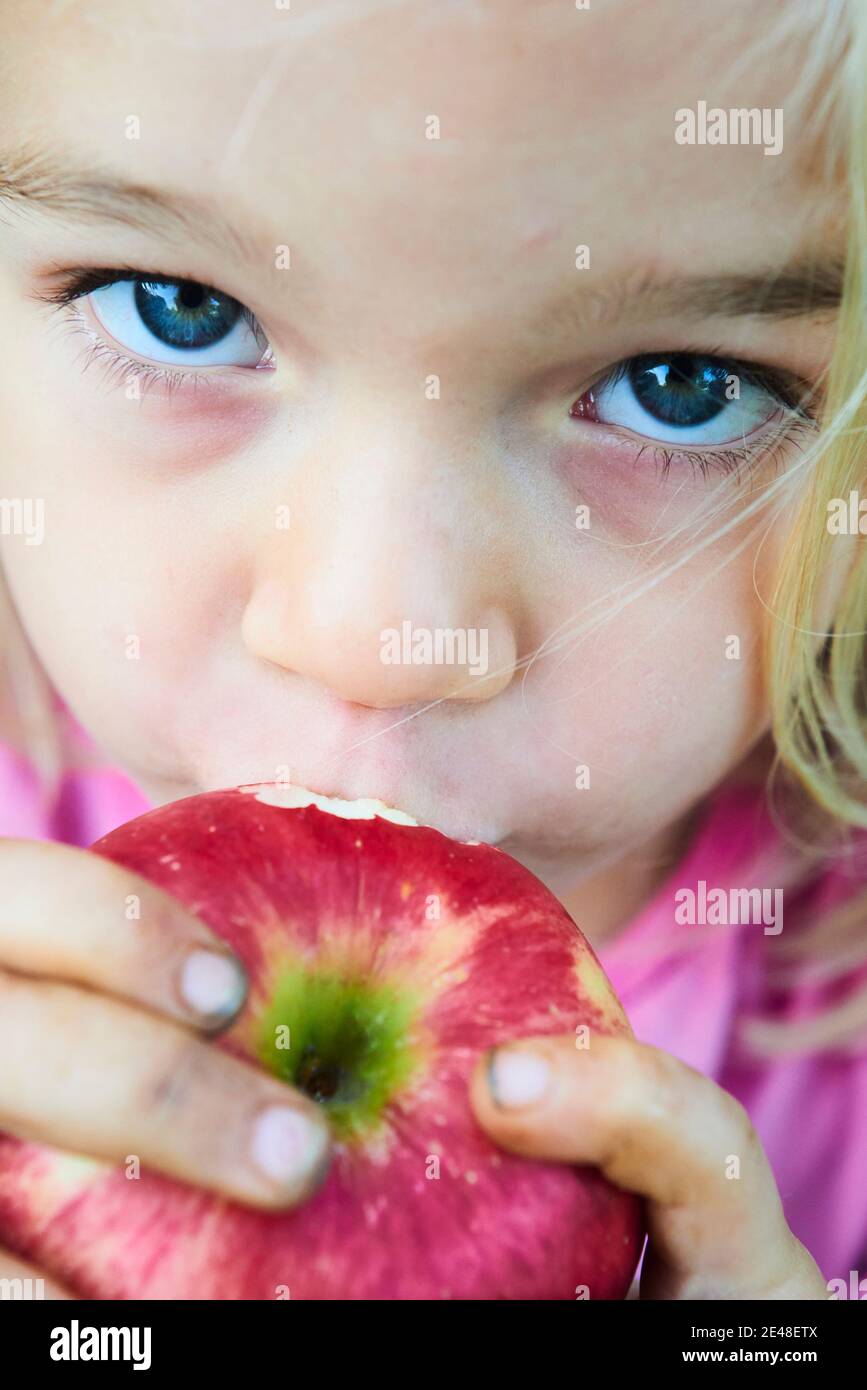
point(237, 509)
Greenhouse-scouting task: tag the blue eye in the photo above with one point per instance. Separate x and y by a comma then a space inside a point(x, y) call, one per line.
point(185, 315)
point(683, 398)
point(178, 321)
point(680, 390)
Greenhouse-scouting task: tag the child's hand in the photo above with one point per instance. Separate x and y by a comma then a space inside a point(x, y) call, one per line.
point(99, 1045)
point(656, 1127)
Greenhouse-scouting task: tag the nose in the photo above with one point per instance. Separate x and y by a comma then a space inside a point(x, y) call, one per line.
point(390, 581)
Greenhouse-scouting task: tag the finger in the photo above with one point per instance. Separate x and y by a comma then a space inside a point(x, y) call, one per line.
point(78, 917)
point(656, 1127)
point(21, 1281)
point(89, 1073)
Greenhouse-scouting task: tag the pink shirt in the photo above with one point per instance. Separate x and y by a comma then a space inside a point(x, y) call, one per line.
point(686, 988)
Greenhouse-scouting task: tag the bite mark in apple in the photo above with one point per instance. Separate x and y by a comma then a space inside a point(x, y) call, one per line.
point(296, 798)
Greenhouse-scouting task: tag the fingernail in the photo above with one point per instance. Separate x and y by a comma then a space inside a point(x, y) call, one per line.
point(517, 1078)
point(213, 985)
point(288, 1147)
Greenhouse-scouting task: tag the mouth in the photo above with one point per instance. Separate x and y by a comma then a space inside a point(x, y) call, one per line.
point(400, 794)
point(295, 796)
point(292, 796)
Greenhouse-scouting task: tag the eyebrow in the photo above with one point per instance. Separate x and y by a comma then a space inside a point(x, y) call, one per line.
point(807, 288)
point(93, 196)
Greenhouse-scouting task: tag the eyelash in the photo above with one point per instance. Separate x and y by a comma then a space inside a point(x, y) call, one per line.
point(729, 461)
point(790, 393)
point(119, 367)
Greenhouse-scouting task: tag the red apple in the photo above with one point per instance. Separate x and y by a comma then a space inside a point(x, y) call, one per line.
point(394, 956)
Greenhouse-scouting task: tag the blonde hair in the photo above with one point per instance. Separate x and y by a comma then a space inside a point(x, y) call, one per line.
point(818, 691)
point(817, 688)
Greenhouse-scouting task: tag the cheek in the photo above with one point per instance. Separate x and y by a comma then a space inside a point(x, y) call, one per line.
point(650, 705)
point(122, 605)
point(670, 686)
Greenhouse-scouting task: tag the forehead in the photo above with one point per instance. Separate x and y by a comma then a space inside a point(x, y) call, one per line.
point(482, 130)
